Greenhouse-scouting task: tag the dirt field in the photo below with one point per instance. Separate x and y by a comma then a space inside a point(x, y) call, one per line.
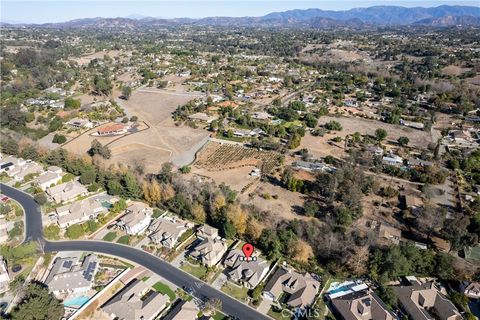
point(452, 70)
point(236, 178)
point(163, 141)
point(282, 208)
point(418, 138)
point(84, 60)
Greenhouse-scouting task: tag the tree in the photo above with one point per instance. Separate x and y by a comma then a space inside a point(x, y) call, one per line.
point(126, 92)
point(303, 251)
point(403, 141)
point(198, 212)
point(238, 217)
point(88, 176)
point(40, 198)
point(98, 148)
point(71, 103)
point(59, 138)
point(380, 134)
point(152, 192)
point(185, 169)
point(333, 125)
point(38, 304)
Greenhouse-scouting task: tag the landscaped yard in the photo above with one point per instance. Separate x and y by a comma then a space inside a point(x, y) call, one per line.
point(110, 236)
point(164, 289)
point(124, 239)
point(276, 314)
point(195, 270)
point(239, 292)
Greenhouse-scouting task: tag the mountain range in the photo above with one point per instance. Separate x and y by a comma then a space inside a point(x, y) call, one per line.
point(375, 16)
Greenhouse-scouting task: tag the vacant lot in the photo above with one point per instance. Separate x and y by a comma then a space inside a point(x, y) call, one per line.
point(418, 138)
point(163, 141)
point(84, 60)
point(281, 203)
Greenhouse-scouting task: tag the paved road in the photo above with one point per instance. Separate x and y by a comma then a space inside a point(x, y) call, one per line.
point(34, 232)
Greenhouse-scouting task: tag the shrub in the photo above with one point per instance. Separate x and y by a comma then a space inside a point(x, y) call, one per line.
point(333, 125)
point(59, 138)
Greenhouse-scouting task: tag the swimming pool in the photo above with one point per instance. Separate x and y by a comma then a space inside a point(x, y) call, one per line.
point(76, 302)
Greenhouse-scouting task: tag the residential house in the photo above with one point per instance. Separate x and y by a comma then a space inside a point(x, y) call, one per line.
point(166, 231)
point(112, 130)
point(413, 162)
point(413, 203)
point(471, 289)
point(3, 229)
point(202, 117)
point(137, 218)
point(209, 251)
point(72, 275)
point(261, 116)
point(24, 168)
point(206, 231)
point(67, 191)
point(78, 212)
point(312, 166)
point(80, 123)
point(392, 160)
point(249, 273)
point(183, 311)
point(411, 124)
point(301, 289)
point(390, 233)
point(4, 276)
point(424, 301)
point(136, 300)
point(361, 305)
point(50, 177)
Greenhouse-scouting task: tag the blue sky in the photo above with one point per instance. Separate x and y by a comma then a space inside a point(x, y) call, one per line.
point(39, 11)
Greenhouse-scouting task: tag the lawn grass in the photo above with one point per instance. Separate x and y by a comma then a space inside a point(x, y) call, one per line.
point(144, 279)
point(124, 239)
point(276, 314)
point(110, 236)
point(219, 316)
point(164, 289)
point(195, 270)
point(238, 292)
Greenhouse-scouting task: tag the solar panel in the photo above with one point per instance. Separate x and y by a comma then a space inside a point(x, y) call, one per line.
point(67, 264)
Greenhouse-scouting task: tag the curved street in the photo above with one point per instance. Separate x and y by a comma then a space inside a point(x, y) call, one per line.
point(201, 290)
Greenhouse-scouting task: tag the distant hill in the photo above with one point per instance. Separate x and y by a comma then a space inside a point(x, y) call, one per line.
point(448, 21)
point(312, 18)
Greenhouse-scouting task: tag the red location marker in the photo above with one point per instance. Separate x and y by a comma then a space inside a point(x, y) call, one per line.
point(247, 250)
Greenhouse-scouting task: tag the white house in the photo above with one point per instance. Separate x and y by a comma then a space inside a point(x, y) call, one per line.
point(137, 218)
point(52, 176)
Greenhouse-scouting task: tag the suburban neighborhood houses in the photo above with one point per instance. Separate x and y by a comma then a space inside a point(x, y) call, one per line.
point(240, 162)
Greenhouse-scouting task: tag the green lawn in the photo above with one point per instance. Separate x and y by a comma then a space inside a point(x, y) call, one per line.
point(219, 316)
point(124, 239)
point(238, 292)
point(110, 236)
point(164, 289)
point(276, 314)
point(195, 270)
point(145, 278)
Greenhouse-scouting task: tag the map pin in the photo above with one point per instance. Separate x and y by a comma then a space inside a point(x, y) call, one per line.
point(247, 250)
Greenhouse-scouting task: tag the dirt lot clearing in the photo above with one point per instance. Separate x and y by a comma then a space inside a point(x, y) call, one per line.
point(418, 138)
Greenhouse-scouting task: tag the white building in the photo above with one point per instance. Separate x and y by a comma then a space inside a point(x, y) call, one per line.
point(137, 218)
point(50, 177)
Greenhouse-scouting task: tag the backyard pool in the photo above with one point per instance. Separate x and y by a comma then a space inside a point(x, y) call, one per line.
point(76, 302)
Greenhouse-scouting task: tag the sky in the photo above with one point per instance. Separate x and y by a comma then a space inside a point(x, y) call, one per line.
point(39, 11)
